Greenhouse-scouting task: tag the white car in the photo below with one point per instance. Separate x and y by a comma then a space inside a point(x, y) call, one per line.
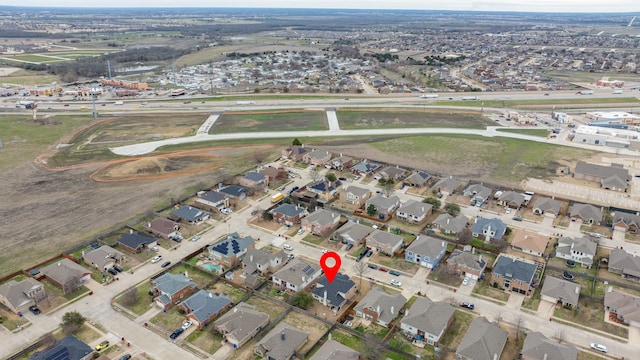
point(324, 251)
point(599, 347)
point(196, 238)
point(156, 259)
point(226, 211)
point(465, 282)
point(300, 231)
point(186, 325)
point(395, 282)
point(287, 247)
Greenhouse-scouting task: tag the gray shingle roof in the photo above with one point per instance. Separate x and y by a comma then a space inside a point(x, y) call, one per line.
point(354, 232)
point(69, 348)
point(548, 205)
point(334, 290)
point(383, 202)
point(365, 166)
point(450, 223)
point(580, 245)
point(213, 196)
point(64, 271)
point(358, 191)
point(232, 245)
point(478, 190)
point(466, 259)
point(281, 342)
point(136, 240)
point(624, 262)
point(383, 237)
point(427, 245)
point(586, 212)
point(234, 190)
point(512, 198)
point(449, 184)
point(16, 291)
point(171, 283)
point(189, 213)
point(514, 268)
point(627, 218)
point(288, 210)
point(418, 178)
point(429, 316)
point(538, 347)
point(241, 321)
point(378, 297)
point(322, 217)
point(560, 289)
point(483, 341)
point(254, 176)
point(333, 350)
point(415, 208)
point(494, 224)
point(102, 255)
point(296, 271)
point(204, 304)
point(600, 171)
point(625, 305)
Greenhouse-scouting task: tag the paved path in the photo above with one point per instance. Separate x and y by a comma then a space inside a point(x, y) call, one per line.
point(206, 126)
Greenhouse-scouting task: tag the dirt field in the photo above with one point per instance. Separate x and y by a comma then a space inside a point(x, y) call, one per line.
point(394, 118)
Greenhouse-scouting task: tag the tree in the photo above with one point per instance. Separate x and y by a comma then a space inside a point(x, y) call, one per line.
point(302, 299)
point(519, 326)
point(315, 176)
point(71, 321)
point(561, 335)
point(331, 177)
point(371, 210)
point(296, 142)
point(465, 236)
point(452, 209)
point(259, 157)
point(388, 188)
point(433, 201)
point(130, 296)
point(360, 268)
point(267, 216)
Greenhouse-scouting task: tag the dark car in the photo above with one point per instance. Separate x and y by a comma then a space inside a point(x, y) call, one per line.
point(517, 218)
point(349, 247)
point(34, 309)
point(372, 266)
point(467, 305)
point(567, 275)
point(176, 333)
point(125, 357)
point(118, 268)
point(369, 253)
point(112, 272)
point(364, 251)
point(383, 269)
point(393, 272)
point(166, 263)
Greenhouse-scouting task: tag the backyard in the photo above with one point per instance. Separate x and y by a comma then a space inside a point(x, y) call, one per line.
point(222, 288)
point(314, 328)
point(590, 315)
point(458, 328)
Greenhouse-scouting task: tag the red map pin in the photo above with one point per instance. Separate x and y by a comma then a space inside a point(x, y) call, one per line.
point(330, 268)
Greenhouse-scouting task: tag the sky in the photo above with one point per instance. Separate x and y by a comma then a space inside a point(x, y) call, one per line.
point(479, 5)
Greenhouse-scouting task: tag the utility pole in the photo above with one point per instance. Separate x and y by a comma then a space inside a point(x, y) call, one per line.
point(93, 101)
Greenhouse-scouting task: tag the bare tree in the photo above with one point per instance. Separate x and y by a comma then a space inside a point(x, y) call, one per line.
point(47, 340)
point(360, 268)
point(259, 157)
point(373, 347)
point(130, 296)
point(560, 335)
point(465, 236)
point(451, 300)
point(519, 325)
point(315, 176)
point(388, 188)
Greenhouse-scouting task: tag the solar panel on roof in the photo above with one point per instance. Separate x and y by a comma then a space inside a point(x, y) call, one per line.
point(308, 270)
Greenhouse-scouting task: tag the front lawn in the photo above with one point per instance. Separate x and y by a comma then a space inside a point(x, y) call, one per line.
point(591, 316)
point(482, 288)
point(142, 302)
point(169, 320)
point(207, 340)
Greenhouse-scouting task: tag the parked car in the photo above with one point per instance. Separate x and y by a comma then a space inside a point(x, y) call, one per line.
point(187, 324)
point(567, 275)
point(395, 282)
point(155, 248)
point(35, 310)
point(118, 268)
point(369, 253)
point(196, 238)
point(349, 247)
point(394, 273)
point(287, 247)
point(156, 259)
point(166, 263)
point(324, 251)
point(290, 256)
point(103, 345)
point(176, 333)
point(125, 357)
point(112, 271)
point(517, 218)
point(465, 281)
point(467, 305)
point(300, 231)
point(599, 347)
point(383, 269)
point(372, 266)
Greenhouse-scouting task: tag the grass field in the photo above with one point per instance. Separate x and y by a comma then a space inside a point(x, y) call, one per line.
point(365, 119)
point(499, 159)
point(23, 138)
point(518, 104)
point(270, 121)
point(533, 132)
point(54, 56)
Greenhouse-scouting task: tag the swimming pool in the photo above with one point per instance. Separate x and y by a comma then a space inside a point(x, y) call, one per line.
point(211, 267)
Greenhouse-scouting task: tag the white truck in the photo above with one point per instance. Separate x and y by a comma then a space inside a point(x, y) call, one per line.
point(244, 102)
point(617, 91)
point(469, 98)
point(585, 92)
point(118, 103)
point(429, 96)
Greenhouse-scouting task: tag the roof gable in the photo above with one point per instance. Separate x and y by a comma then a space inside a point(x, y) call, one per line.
point(483, 341)
point(429, 316)
point(427, 245)
point(515, 268)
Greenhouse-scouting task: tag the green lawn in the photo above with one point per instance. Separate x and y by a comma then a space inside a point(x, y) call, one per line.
point(225, 289)
point(170, 320)
point(533, 301)
point(532, 132)
point(231, 122)
point(577, 102)
point(313, 239)
point(454, 334)
point(482, 288)
point(142, 305)
point(590, 316)
point(199, 277)
point(400, 342)
point(384, 118)
point(206, 340)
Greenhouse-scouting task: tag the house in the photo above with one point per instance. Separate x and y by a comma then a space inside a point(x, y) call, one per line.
point(274, 174)
point(229, 251)
point(135, 241)
point(341, 163)
point(380, 307)
point(334, 294)
point(466, 264)
point(241, 324)
point(190, 214)
point(163, 227)
point(447, 186)
point(288, 214)
point(352, 233)
point(354, 195)
point(294, 152)
point(529, 243)
point(511, 199)
point(626, 222)
point(547, 206)
point(580, 250)
point(297, 275)
point(488, 229)
point(478, 193)
point(586, 213)
point(625, 264)
point(69, 348)
point(262, 261)
point(170, 288)
point(17, 296)
point(213, 200)
point(448, 224)
point(613, 177)
point(235, 193)
point(624, 306)
point(321, 222)
point(66, 274)
point(281, 343)
point(384, 206)
point(394, 173)
point(426, 251)
point(103, 257)
point(203, 306)
point(484, 340)
point(555, 290)
point(414, 212)
point(333, 350)
point(326, 190)
point(365, 167)
point(538, 347)
point(384, 242)
point(418, 179)
point(316, 157)
point(514, 274)
point(254, 180)
point(427, 320)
